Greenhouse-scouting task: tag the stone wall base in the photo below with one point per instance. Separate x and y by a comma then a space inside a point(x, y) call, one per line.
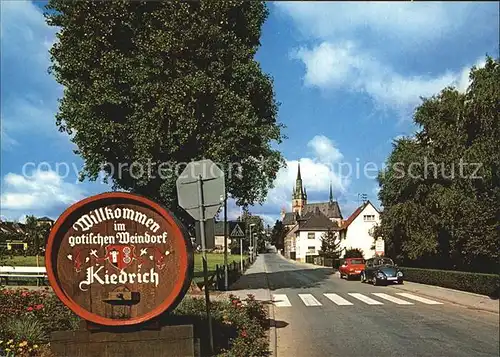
point(169, 341)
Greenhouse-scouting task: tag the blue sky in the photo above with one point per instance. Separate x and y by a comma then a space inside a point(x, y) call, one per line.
point(348, 76)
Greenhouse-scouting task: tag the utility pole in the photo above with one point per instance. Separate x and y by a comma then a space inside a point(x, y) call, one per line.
point(226, 283)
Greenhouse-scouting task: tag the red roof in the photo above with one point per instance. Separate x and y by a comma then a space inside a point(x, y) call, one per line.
point(356, 213)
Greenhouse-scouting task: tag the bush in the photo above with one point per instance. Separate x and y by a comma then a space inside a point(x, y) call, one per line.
point(26, 328)
point(353, 253)
point(484, 284)
point(44, 306)
point(239, 327)
point(28, 317)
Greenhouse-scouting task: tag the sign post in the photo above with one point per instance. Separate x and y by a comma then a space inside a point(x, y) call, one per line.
point(379, 246)
point(119, 259)
point(226, 280)
point(204, 258)
point(201, 191)
point(238, 232)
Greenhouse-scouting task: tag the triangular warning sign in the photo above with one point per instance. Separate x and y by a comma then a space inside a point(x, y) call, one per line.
point(237, 231)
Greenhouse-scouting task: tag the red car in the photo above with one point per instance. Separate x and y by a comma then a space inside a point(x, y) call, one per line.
point(352, 267)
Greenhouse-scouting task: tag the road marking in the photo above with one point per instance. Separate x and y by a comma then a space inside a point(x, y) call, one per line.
point(281, 300)
point(392, 299)
point(309, 300)
point(365, 299)
point(337, 299)
point(420, 299)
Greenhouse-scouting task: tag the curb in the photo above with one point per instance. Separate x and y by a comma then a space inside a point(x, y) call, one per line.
point(313, 266)
point(469, 306)
point(273, 337)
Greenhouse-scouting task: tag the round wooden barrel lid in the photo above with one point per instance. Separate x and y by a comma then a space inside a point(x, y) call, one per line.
point(119, 259)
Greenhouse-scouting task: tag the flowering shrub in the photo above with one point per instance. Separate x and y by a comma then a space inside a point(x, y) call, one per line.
point(28, 317)
point(239, 327)
point(250, 320)
point(13, 348)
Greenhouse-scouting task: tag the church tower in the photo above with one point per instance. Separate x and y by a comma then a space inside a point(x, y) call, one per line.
point(299, 195)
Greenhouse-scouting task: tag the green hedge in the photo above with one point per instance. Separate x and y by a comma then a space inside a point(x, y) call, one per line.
point(484, 284)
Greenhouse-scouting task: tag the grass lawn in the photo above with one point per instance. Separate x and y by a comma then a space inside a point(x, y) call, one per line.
point(212, 259)
point(28, 261)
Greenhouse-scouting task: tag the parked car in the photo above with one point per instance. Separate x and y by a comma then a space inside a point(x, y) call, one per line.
point(352, 267)
point(381, 271)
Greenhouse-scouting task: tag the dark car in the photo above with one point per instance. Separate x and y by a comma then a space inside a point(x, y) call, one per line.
point(381, 271)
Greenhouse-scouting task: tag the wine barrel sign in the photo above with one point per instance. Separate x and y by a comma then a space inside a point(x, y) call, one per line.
point(119, 259)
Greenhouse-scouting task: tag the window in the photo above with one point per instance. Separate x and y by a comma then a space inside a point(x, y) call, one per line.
point(357, 261)
point(311, 250)
point(310, 235)
point(386, 261)
point(369, 217)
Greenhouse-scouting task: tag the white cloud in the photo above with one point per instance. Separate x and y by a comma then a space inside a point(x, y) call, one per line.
point(407, 23)
point(29, 93)
point(317, 173)
point(345, 66)
point(324, 149)
point(38, 192)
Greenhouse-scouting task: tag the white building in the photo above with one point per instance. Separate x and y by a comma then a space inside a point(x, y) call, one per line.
point(357, 230)
point(305, 238)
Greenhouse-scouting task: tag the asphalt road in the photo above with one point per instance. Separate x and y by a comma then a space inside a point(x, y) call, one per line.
point(354, 321)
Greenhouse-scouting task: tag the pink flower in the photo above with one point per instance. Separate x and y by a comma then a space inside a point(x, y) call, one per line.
point(244, 333)
point(39, 307)
point(29, 308)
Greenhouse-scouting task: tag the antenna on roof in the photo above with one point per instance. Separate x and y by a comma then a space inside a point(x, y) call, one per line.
point(362, 198)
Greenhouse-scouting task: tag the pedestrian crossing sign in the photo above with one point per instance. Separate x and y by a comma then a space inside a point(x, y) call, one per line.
point(237, 232)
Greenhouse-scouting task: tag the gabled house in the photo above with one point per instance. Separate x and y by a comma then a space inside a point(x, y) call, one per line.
point(357, 230)
point(12, 227)
point(219, 235)
point(45, 220)
point(305, 238)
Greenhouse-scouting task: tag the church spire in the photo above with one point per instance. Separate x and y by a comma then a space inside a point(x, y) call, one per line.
point(331, 192)
point(299, 194)
point(299, 190)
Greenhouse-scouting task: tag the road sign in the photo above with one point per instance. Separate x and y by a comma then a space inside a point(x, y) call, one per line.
point(237, 231)
point(213, 184)
point(209, 233)
point(379, 246)
point(119, 259)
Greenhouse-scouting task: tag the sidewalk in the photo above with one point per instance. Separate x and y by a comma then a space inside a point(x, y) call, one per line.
point(463, 298)
point(254, 281)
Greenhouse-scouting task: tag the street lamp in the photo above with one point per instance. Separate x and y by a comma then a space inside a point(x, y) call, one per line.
point(251, 238)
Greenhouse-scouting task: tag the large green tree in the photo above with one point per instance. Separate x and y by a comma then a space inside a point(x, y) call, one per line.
point(441, 188)
point(149, 85)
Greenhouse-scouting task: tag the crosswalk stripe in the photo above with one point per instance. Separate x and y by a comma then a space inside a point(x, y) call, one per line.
point(309, 300)
point(337, 299)
point(392, 299)
point(365, 299)
point(281, 300)
point(420, 299)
